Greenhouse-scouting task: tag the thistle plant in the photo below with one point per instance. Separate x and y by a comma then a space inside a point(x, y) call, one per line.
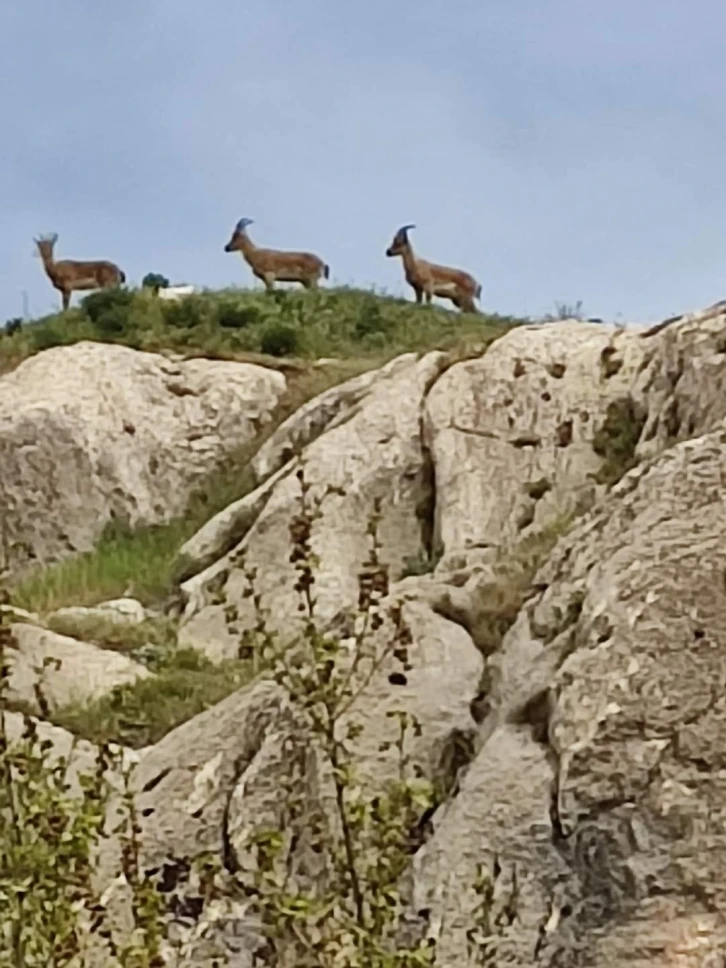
point(334, 900)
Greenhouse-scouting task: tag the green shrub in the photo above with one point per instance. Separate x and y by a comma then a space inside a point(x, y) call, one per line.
point(186, 313)
point(617, 438)
point(279, 339)
point(235, 316)
point(50, 335)
point(108, 310)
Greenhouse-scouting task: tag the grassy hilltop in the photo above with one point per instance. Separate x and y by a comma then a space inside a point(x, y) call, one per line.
point(346, 324)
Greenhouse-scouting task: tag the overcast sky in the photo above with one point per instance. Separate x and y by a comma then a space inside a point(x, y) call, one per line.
point(558, 149)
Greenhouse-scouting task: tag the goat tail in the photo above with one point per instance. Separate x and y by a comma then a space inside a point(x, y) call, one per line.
point(326, 271)
point(477, 291)
point(122, 276)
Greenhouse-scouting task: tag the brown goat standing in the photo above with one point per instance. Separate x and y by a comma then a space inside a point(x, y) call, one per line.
point(68, 275)
point(429, 279)
point(271, 266)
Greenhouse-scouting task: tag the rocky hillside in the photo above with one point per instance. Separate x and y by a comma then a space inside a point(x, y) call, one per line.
point(510, 564)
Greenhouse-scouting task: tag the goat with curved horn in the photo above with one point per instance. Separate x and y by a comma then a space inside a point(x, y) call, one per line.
point(429, 279)
point(271, 265)
point(69, 275)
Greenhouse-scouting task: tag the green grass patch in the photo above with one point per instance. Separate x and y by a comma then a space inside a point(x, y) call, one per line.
point(137, 562)
point(141, 713)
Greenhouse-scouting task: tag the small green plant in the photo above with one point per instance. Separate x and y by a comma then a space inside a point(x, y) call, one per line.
point(52, 331)
point(13, 325)
point(348, 911)
point(53, 817)
point(616, 440)
point(501, 598)
point(279, 339)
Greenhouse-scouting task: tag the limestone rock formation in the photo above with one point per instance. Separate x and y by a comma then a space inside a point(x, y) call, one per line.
point(212, 781)
point(511, 433)
point(319, 414)
point(95, 431)
point(683, 377)
point(375, 454)
point(580, 791)
point(509, 438)
point(225, 530)
point(66, 670)
point(574, 720)
point(600, 780)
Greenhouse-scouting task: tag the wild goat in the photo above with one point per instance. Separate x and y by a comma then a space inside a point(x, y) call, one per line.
point(271, 266)
point(68, 275)
point(429, 279)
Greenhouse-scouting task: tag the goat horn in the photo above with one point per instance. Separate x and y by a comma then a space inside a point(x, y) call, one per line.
point(405, 228)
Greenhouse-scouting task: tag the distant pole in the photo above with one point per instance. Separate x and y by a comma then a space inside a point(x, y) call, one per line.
point(25, 304)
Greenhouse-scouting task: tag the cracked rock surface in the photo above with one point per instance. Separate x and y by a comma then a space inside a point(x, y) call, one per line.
point(375, 453)
point(511, 433)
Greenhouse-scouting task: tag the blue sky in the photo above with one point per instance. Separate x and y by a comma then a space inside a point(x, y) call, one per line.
point(557, 149)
